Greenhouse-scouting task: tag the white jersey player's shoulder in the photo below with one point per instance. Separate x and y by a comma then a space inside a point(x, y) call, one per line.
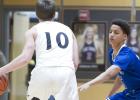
point(50, 23)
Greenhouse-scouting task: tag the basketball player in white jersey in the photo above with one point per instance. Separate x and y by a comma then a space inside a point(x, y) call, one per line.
point(57, 59)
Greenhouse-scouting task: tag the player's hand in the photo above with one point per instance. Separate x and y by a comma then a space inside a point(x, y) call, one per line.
point(2, 74)
point(84, 86)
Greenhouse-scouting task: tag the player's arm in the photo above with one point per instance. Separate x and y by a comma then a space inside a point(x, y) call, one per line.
point(24, 57)
point(117, 85)
point(75, 53)
point(108, 74)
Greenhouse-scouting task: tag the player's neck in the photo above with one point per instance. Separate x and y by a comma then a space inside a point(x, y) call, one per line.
point(40, 20)
point(117, 48)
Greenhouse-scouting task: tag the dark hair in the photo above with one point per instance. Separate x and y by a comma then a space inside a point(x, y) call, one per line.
point(123, 24)
point(45, 9)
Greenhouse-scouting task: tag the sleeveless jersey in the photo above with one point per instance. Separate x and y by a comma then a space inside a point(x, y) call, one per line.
point(54, 45)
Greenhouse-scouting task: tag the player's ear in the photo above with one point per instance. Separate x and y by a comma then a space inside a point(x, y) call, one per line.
point(125, 37)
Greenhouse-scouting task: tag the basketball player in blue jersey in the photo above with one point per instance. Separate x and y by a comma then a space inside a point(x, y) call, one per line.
point(57, 59)
point(124, 63)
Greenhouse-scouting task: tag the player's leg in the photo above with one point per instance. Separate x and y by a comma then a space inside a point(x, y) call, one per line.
point(138, 94)
point(40, 84)
point(61, 84)
point(117, 96)
point(69, 90)
point(133, 94)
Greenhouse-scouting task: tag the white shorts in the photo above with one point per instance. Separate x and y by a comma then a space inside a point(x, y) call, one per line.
point(57, 81)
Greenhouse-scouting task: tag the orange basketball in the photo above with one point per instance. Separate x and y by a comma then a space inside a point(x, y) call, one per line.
point(3, 83)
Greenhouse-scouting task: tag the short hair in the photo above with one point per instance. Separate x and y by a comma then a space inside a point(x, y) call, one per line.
point(45, 9)
point(123, 25)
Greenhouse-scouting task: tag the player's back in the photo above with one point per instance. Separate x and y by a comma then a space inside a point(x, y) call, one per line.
point(54, 44)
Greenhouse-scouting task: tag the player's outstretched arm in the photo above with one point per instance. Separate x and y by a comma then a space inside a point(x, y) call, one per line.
point(24, 57)
point(108, 74)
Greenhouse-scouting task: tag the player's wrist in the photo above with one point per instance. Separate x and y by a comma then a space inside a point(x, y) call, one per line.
point(89, 84)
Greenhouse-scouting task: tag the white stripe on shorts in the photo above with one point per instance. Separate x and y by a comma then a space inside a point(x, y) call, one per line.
point(107, 99)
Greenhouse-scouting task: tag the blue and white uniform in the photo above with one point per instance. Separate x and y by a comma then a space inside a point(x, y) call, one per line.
point(129, 63)
point(54, 73)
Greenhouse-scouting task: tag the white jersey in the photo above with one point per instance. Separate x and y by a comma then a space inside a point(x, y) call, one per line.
point(54, 45)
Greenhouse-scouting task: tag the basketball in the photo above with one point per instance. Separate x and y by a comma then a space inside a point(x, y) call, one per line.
point(3, 83)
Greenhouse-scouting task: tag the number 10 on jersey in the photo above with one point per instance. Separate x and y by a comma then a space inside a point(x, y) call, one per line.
point(58, 40)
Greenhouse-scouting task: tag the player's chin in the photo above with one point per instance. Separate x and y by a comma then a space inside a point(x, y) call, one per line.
point(110, 42)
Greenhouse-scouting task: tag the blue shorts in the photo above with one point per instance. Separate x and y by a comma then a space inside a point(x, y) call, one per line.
point(126, 95)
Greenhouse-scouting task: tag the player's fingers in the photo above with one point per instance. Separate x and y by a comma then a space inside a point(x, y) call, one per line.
point(81, 88)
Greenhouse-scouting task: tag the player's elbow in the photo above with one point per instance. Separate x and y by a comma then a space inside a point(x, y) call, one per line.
point(110, 75)
point(76, 62)
point(112, 71)
point(25, 59)
point(76, 66)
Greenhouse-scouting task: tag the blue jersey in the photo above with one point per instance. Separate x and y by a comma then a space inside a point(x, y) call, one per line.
point(129, 63)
